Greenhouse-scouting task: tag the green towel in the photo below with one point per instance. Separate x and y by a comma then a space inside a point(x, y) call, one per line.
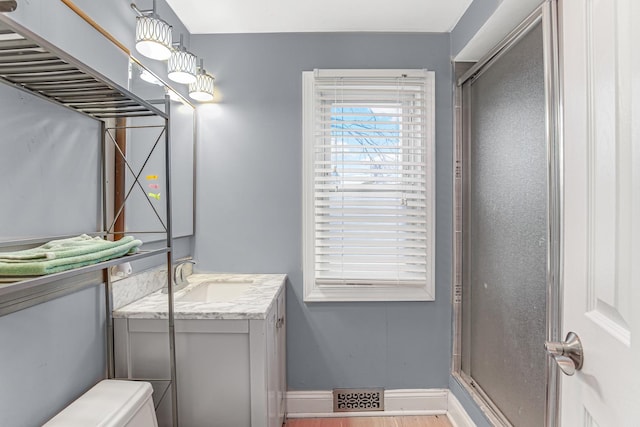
point(62, 248)
point(69, 254)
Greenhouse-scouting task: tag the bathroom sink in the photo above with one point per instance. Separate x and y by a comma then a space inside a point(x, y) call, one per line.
point(216, 291)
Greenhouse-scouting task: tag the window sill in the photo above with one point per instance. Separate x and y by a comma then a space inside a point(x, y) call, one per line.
point(367, 293)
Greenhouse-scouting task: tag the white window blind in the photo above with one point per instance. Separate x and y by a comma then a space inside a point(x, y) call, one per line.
point(370, 161)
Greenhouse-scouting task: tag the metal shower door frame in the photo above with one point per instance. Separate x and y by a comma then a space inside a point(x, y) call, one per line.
point(547, 14)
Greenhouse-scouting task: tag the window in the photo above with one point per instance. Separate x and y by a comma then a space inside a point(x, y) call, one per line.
point(368, 190)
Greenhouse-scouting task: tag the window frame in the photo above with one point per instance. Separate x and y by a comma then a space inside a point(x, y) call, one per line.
point(372, 292)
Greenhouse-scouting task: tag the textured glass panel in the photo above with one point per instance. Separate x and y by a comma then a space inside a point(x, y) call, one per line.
point(505, 263)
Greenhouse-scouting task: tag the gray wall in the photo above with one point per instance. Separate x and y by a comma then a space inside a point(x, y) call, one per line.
point(49, 168)
point(249, 203)
point(50, 354)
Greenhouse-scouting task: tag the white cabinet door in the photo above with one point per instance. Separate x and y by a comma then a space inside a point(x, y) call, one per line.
point(277, 368)
point(282, 357)
point(601, 77)
point(272, 366)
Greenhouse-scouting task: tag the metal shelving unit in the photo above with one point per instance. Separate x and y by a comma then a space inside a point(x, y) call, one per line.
point(31, 64)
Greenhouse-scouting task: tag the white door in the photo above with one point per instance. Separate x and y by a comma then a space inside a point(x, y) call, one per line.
point(601, 75)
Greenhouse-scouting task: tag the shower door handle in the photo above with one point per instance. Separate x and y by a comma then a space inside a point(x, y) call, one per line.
point(568, 354)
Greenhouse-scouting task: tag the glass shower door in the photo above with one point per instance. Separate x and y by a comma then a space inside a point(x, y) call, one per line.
point(505, 229)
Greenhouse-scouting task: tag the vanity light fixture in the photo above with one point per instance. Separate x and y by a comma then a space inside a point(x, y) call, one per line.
point(153, 35)
point(202, 88)
point(182, 65)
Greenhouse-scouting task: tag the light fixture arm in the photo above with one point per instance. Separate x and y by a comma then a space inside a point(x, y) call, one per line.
point(144, 12)
point(138, 11)
point(179, 44)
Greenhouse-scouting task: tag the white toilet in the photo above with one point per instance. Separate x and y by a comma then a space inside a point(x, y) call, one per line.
point(110, 403)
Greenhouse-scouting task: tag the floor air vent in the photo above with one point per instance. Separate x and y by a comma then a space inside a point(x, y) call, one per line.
point(358, 399)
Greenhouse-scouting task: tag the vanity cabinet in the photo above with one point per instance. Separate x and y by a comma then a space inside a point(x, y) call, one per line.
point(230, 372)
point(268, 363)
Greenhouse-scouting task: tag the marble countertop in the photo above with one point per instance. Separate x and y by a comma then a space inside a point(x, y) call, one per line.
point(253, 304)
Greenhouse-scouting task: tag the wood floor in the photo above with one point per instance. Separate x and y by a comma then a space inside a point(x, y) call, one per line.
point(408, 421)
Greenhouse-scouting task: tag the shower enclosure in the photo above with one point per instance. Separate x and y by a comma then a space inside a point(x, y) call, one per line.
point(507, 226)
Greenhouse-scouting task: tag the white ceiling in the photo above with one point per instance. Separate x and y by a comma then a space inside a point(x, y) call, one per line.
point(284, 16)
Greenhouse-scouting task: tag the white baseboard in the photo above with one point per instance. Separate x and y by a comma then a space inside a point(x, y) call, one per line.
point(309, 402)
point(456, 413)
point(319, 404)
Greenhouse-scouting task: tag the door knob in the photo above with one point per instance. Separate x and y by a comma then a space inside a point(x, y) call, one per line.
point(568, 354)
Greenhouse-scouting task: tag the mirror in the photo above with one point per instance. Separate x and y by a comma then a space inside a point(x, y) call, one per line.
point(142, 139)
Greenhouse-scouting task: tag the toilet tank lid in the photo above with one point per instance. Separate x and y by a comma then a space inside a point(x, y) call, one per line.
point(108, 403)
